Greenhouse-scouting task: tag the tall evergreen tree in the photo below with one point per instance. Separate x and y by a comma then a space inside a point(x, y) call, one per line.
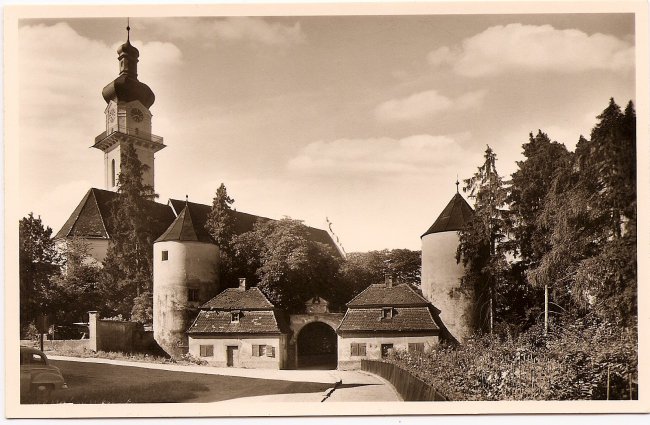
point(128, 267)
point(480, 247)
point(528, 189)
point(221, 227)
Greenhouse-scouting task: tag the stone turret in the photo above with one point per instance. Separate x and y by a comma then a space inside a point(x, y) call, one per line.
point(184, 277)
point(441, 274)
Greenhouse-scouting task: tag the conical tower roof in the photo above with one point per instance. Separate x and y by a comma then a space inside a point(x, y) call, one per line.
point(186, 228)
point(453, 217)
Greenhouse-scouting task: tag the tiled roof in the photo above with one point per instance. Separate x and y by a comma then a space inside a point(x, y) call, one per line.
point(218, 321)
point(404, 319)
point(244, 222)
point(382, 295)
point(453, 217)
point(186, 228)
point(237, 299)
point(92, 217)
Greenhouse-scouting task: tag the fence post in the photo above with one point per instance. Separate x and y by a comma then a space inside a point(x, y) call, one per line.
point(608, 366)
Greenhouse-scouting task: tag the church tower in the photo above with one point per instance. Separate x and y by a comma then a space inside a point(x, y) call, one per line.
point(128, 119)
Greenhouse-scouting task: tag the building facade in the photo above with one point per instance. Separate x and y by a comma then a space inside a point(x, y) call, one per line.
point(240, 328)
point(386, 317)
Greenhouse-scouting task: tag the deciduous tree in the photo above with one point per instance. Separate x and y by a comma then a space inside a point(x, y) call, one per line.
point(39, 261)
point(290, 267)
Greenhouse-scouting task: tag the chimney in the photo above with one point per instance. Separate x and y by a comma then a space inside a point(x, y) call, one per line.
point(242, 284)
point(389, 281)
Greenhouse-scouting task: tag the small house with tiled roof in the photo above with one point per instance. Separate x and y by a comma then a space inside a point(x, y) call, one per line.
point(384, 317)
point(239, 328)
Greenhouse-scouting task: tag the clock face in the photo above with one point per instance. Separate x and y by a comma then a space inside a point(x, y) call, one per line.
point(111, 115)
point(137, 115)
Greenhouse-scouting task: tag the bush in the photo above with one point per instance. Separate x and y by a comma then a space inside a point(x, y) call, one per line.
point(571, 364)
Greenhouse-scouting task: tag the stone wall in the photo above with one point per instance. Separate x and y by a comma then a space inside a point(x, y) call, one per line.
point(120, 336)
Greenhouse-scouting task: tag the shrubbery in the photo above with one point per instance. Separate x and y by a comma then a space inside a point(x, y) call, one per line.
point(570, 364)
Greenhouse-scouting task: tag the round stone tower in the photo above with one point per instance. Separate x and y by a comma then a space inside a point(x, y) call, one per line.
point(184, 277)
point(441, 273)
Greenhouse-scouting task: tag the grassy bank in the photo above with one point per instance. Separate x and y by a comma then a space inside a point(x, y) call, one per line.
point(96, 383)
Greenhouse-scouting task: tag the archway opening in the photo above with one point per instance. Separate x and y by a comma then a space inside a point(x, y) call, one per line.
point(317, 347)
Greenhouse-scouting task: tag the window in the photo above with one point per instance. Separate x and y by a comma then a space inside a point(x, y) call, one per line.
point(165, 255)
point(416, 347)
point(234, 316)
point(358, 349)
point(206, 350)
point(386, 349)
point(270, 351)
point(262, 350)
point(113, 173)
point(387, 312)
point(192, 294)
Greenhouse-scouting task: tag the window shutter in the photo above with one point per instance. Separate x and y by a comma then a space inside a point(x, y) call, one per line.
point(206, 350)
point(354, 349)
point(256, 350)
point(362, 349)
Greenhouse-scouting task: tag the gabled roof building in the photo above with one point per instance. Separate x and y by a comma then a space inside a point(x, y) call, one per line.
point(240, 328)
point(384, 317)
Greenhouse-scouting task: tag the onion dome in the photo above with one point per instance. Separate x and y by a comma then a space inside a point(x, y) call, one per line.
point(126, 87)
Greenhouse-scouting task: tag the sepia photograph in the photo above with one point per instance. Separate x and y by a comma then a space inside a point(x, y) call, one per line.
point(308, 209)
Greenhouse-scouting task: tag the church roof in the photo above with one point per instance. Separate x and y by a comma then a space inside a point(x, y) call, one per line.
point(381, 295)
point(92, 217)
point(239, 299)
point(453, 217)
point(187, 227)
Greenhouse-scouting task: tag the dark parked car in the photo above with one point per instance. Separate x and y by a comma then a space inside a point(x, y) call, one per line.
point(38, 377)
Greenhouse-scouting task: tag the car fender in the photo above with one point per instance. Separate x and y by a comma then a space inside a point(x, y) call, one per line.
point(48, 378)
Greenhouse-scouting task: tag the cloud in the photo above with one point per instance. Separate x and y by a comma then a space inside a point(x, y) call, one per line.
point(537, 48)
point(414, 155)
point(235, 29)
point(425, 104)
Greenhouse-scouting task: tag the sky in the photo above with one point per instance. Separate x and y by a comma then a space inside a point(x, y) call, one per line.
point(364, 120)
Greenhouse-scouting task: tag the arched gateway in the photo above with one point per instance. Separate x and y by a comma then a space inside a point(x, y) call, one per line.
point(313, 343)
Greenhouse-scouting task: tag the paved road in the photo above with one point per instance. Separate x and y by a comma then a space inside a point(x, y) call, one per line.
point(354, 385)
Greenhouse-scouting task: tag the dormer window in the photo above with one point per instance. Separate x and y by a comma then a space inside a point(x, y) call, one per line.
point(234, 316)
point(387, 312)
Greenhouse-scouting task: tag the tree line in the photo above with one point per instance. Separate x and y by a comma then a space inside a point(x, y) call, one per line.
point(564, 227)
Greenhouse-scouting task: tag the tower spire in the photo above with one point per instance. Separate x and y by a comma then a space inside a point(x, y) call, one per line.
point(128, 29)
point(457, 183)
